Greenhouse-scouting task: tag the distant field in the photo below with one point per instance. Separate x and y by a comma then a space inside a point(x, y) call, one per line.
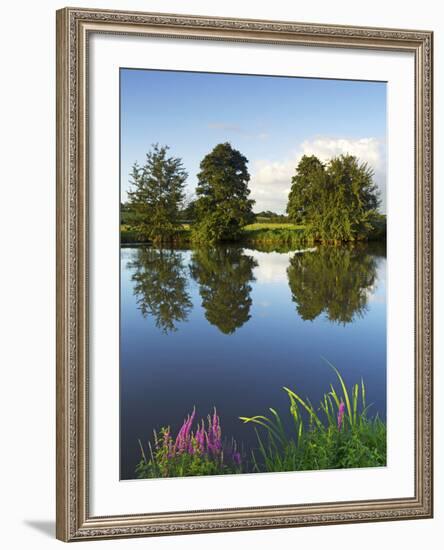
point(268, 225)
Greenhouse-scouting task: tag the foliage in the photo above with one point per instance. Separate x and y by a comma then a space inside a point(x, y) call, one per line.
point(129, 235)
point(156, 195)
point(337, 435)
point(310, 173)
point(332, 203)
point(160, 286)
point(271, 217)
point(222, 206)
point(265, 236)
point(334, 280)
point(188, 212)
point(379, 232)
point(272, 225)
point(269, 238)
point(190, 453)
point(337, 202)
point(127, 215)
point(224, 274)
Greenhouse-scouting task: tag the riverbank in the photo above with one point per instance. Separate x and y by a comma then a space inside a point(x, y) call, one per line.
point(262, 234)
point(337, 434)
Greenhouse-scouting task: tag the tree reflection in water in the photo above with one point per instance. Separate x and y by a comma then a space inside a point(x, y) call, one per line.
point(224, 275)
point(333, 280)
point(160, 286)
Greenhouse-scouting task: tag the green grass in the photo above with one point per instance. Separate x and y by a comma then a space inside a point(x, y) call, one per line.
point(129, 235)
point(317, 440)
point(268, 225)
point(268, 237)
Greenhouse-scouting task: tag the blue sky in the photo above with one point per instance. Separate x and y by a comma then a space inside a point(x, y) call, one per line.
point(271, 120)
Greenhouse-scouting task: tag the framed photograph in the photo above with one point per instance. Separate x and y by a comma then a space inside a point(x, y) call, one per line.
point(244, 274)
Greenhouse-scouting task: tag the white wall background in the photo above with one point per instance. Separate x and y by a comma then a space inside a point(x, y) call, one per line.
point(27, 297)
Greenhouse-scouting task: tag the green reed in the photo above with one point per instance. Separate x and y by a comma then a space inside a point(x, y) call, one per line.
point(337, 434)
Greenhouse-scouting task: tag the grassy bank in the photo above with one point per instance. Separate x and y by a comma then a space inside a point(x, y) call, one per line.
point(337, 434)
point(256, 233)
point(272, 236)
point(130, 235)
point(265, 235)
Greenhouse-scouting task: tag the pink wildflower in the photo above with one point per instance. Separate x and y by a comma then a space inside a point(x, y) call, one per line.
point(341, 413)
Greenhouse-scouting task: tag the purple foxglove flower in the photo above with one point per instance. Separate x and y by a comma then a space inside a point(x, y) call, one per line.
point(214, 436)
point(341, 413)
point(179, 441)
point(183, 437)
point(200, 438)
point(215, 420)
point(189, 423)
point(208, 441)
point(190, 447)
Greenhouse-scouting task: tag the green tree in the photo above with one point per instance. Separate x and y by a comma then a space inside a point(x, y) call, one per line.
point(334, 280)
point(188, 212)
point(224, 275)
point(160, 286)
point(156, 195)
point(310, 174)
point(336, 202)
point(222, 206)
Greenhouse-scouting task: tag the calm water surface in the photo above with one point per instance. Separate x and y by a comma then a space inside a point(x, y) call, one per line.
point(229, 326)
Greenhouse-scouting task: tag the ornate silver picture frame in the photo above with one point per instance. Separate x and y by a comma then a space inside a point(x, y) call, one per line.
point(74, 519)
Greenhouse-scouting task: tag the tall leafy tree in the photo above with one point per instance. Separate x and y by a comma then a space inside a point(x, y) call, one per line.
point(310, 174)
point(222, 206)
point(337, 202)
point(156, 195)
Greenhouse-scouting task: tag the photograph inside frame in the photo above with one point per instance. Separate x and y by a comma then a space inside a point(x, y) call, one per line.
point(252, 274)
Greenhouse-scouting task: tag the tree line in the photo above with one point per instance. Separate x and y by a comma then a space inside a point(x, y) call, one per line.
point(334, 201)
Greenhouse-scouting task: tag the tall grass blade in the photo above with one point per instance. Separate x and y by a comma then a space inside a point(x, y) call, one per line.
point(355, 402)
point(262, 421)
point(344, 389)
point(142, 451)
point(363, 393)
point(334, 395)
point(308, 408)
point(279, 424)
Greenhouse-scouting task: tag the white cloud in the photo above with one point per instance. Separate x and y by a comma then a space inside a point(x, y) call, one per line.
point(366, 149)
point(271, 181)
point(270, 184)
